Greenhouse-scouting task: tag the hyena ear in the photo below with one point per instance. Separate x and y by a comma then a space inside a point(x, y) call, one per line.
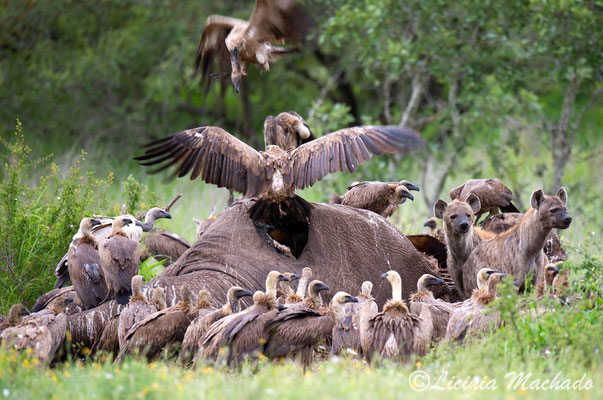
point(562, 194)
point(537, 199)
point(439, 208)
point(474, 202)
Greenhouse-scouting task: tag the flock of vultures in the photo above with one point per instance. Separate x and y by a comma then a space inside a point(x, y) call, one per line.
point(276, 276)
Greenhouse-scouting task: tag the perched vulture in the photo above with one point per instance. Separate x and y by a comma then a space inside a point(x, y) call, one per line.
point(285, 293)
point(471, 315)
point(160, 331)
point(232, 43)
point(101, 231)
point(120, 258)
point(551, 270)
point(83, 264)
point(346, 333)
point(440, 309)
point(295, 332)
point(243, 332)
point(203, 225)
point(200, 325)
point(163, 246)
point(395, 332)
point(382, 198)
point(288, 130)
point(136, 310)
point(492, 194)
point(15, 314)
point(48, 299)
point(272, 176)
point(432, 227)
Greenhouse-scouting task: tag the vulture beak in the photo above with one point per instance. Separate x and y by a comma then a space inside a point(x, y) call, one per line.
point(410, 186)
point(25, 311)
point(68, 300)
point(350, 299)
point(281, 307)
point(321, 287)
point(95, 222)
point(384, 276)
point(556, 270)
point(282, 278)
point(436, 281)
point(408, 195)
point(138, 223)
point(294, 277)
point(128, 221)
point(493, 271)
point(428, 223)
point(165, 214)
point(243, 293)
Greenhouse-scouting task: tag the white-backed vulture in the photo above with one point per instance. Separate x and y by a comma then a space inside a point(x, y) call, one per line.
point(440, 310)
point(272, 176)
point(313, 299)
point(382, 198)
point(232, 43)
point(471, 315)
point(432, 227)
point(200, 325)
point(243, 332)
point(120, 258)
point(163, 246)
point(133, 231)
point(49, 298)
point(83, 264)
point(42, 332)
point(302, 285)
point(296, 332)
point(15, 314)
point(158, 299)
point(395, 333)
point(161, 331)
point(493, 195)
point(137, 309)
point(346, 333)
point(288, 130)
point(285, 293)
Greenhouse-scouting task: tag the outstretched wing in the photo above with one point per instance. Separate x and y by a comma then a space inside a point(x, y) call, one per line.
point(274, 20)
point(346, 149)
point(212, 49)
point(215, 155)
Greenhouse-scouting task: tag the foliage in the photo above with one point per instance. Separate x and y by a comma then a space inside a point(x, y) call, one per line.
point(139, 198)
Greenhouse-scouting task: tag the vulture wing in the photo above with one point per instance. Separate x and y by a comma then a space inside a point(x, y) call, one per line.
point(346, 149)
point(215, 155)
point(212, 49)
point(275, 20)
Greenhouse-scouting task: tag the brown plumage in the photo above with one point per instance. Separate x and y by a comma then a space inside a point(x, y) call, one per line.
point(471, 315)
point(49, 298)
point(285, 293)
point(243, 332)
point(273, 175)
point(42, 332)
point(288, 130)
point(395, 333)
point(202, 226)
point(440, 310)
point(158, 299)
point(346, 333)
point(108, 340)
point(232, 43)
point(15, 314)
point(163, 246)
point(493, 195)
point(382, 198)
point(296, 332)
point(160, 331)
point(200, 325)
point(546, 285)
point(120, 258)
point(137, 309)
point(83, 264)
point(313, 299)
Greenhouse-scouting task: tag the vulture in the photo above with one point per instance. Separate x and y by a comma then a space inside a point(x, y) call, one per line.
point(382, 198)
point(108, 340)
point(493, 195)
point(163, 246)
point(158, 299)
point(232, 43)
point(395, 333)
point(288, 130)
point(15, 314)
point(200, 325)
point(272, 176)
point(160, 331)
point(302, 286)
point(286, 293)
point(136, 310)
point(551, 270)
point(313, 300)
point(48, 299)
point(202, 226)
point(440, 310)
point(99, 232)
point(120, 258)
point(42, 332)
point(471, 315)
point(243, 332)
point(296, 332)
point(432, 226)
point(83, 265)
point(346, 333)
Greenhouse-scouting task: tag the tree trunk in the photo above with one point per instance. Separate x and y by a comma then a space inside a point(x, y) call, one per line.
point(562, 135)
point(418, 87)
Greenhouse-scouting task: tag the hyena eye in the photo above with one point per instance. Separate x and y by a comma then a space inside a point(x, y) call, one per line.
point(453, 216)
point(554, 210)
point(467, 215)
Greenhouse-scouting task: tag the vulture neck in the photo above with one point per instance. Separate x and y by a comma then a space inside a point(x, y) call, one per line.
point(271, 288)
point(149, 222)
point(117, 231)
point(286, 288)
point(302, 286)
point(396, 289)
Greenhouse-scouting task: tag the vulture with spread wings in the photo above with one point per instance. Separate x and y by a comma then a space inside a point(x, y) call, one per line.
point(232, 43)
point(273, 175)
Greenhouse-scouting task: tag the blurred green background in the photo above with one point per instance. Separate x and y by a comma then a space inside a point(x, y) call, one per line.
point(499, 88)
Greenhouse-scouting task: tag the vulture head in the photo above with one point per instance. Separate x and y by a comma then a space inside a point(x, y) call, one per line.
point(394, 279)
point(409, 185)
point(59, 305)
point(483, 275)
point(86, 224)
point(16, 312)
point(400, 194)
point(271, 281)
point(316, 287)
point(550, 272)
point(431, 223)
point(366, 288)
point(159, 299)
point(339, 300)
point(203, 299)
point(137, 281)
point(151, 216)
point(236, 293)
point(428, 281)
point(185, 294)
point(494, 280)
